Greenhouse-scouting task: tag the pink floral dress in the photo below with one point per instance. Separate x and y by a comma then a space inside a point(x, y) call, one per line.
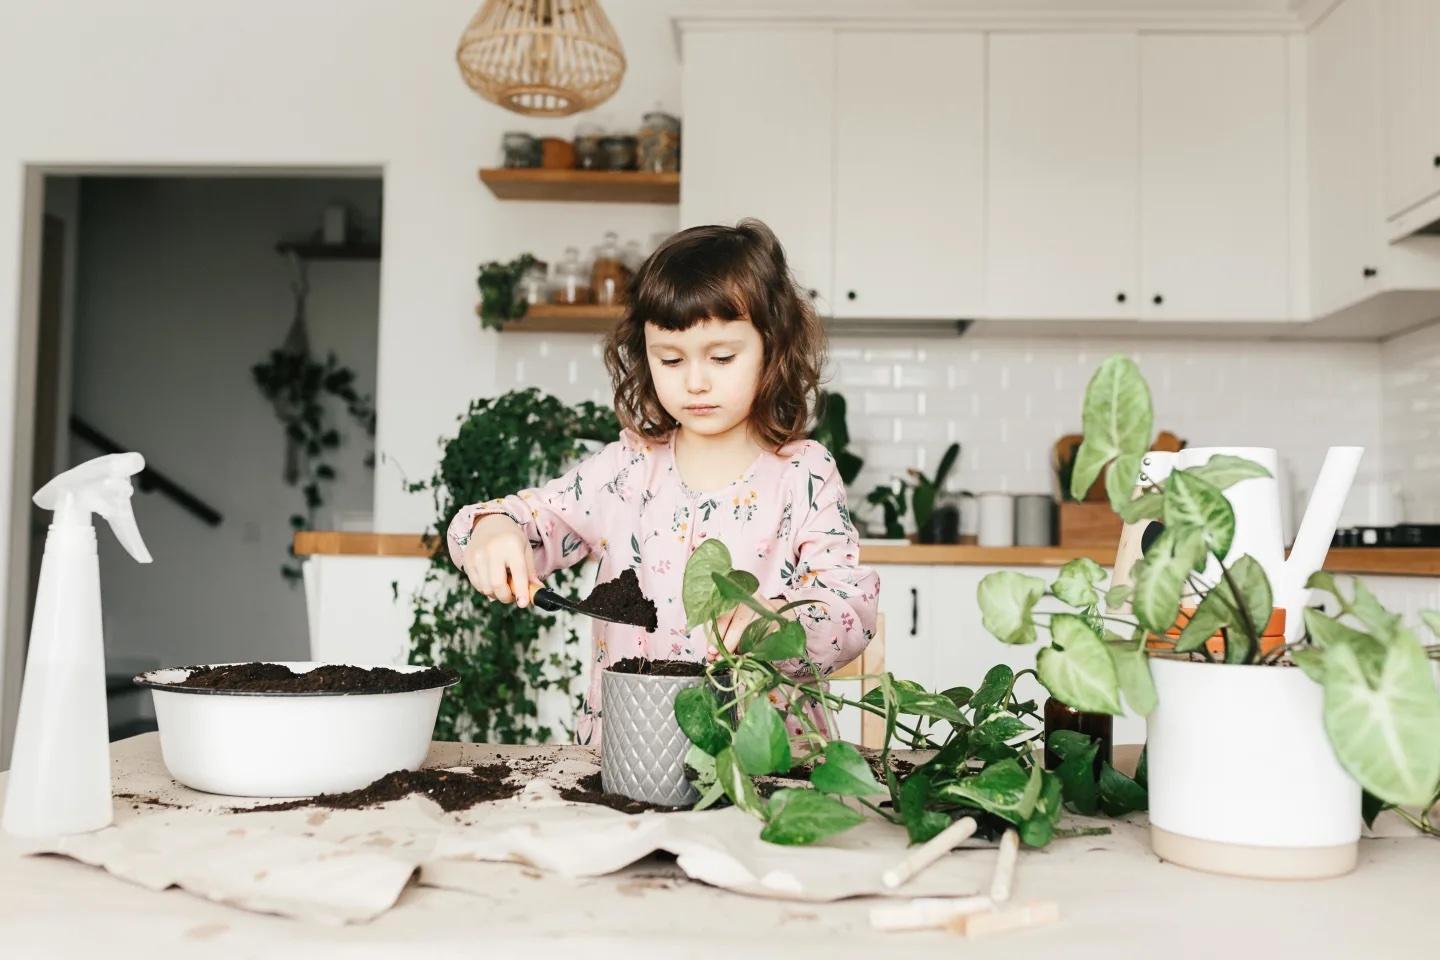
point(785, 521)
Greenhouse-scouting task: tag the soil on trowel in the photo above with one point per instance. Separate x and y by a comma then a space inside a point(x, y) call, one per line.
point(452, 789)
point(331, 678)
point(621, 599)
point(658, 668)
point(588, 789)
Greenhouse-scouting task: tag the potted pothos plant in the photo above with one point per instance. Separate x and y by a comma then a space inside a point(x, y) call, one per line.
point(983, 760)
point(1257, 750)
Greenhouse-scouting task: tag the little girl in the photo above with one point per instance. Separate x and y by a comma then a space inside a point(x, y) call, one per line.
point(715, 365)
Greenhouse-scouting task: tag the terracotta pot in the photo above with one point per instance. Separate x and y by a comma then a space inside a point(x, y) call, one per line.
point(1271, 638)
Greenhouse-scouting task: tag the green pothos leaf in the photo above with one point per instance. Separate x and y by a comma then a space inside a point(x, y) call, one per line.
point(798, 817)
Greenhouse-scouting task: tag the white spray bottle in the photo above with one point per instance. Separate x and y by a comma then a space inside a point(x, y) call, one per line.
point(60, 768)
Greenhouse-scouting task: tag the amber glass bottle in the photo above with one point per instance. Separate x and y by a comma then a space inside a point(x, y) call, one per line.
point(1100, 726)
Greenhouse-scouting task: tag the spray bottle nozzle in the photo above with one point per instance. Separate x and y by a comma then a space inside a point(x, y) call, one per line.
point(98, 486)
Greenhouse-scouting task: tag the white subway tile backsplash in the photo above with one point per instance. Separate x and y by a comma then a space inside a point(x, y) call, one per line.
point(1007, 399)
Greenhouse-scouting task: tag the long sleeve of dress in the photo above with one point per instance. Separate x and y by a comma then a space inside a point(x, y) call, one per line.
point(841, 622)
point(562, 519)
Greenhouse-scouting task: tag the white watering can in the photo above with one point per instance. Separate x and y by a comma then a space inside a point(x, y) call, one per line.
point(1258, 522)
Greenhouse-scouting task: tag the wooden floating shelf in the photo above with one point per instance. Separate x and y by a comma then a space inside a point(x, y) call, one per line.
point(560, 318)
point(582, 186)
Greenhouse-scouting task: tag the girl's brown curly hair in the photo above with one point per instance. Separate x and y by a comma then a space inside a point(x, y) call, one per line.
point(721, 273)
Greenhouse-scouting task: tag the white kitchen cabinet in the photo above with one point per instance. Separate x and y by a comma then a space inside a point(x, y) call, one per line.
point(909, 175)
point(1062, 237)
point(1410, 58)
point(906, 595)
point(1346, 243)
point(1214, 177)
point(759, 116)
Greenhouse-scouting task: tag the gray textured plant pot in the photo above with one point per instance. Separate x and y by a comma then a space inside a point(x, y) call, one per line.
point(642, 748)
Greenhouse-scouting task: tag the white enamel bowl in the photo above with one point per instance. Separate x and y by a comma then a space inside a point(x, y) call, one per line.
point(244, 744)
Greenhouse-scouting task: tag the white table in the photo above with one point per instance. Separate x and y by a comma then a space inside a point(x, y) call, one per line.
point(1116, 900)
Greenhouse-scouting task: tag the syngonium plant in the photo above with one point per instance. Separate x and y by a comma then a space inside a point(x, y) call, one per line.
point(1381, 705)
point(984, 765)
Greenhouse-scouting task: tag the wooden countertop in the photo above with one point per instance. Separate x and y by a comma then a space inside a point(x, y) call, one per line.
point(1375, 561)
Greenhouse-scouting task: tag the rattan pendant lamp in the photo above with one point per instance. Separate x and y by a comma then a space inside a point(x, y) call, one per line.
point(542, 58)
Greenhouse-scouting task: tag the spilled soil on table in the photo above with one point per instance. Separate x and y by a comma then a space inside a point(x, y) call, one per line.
point(588, 789)
point(452, 789)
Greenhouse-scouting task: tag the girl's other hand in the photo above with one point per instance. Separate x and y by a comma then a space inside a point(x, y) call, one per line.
point(497, 557)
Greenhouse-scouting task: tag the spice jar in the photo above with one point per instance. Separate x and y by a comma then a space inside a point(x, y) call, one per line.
point(1098, 726)
point(520, 149)
point(619, 152)
point(572, 282)
point(588, 155)
point(557, 154)
point(658, 145)
point(608, 275)
point(533, 284)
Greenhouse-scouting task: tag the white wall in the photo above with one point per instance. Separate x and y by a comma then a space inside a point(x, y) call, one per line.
point(179, 293)
point(275, 84)
point(1411, 406)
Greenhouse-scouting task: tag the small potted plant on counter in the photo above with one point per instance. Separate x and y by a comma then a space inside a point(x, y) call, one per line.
point(984, 763)
point(1258, 749)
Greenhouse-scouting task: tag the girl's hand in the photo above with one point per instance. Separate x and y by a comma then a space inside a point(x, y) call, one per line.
point(732, 625)
point(497, 557)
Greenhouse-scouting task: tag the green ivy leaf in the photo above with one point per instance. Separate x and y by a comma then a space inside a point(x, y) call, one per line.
point(1191, 502)
point(1223, 471)
point(1132, 668)
point(754, 632)
point(1117, 596)
point(695, 712)
point(700, 769)
point(1150, 505)
point(799, 817)
point(1117, 418)
point(1328, 633)
point(1077, 581)
point(786, 643)
point(1000, 728)
point(1002, 788)
point(1384, 732)
point(1076, 774)
point(921, 823)
point(993, 690)
point(1007, 601)
point(844, 772)
point(761, 744)
point(737, 588)
point(698, 591)
point(1064, 743)
point(1119, 794)
point(1076, 667)
point(1160, 578)
point(960, 696)
point(1371, 807)
point(737, 785)
point(1120, 480)
point(1038, 829)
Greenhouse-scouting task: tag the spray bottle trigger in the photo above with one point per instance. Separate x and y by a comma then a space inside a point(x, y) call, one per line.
point(121, 517)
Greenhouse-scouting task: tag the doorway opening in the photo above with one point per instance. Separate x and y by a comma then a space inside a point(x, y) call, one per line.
point(225, 327)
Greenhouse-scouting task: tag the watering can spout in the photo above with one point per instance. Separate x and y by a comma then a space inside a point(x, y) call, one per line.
point(1317, 530)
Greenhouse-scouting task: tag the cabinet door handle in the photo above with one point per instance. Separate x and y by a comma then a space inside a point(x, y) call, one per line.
point(1158, 299)
point(1119, 298)
point(850, 295)
point(914, 611)
point(1369, 271)
point(1437, 160)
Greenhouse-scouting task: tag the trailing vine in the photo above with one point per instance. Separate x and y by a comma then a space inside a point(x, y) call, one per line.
point(504, 444)
point(298, 386)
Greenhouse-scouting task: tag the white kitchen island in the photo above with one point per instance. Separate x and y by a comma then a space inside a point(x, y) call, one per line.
point(1116, 900)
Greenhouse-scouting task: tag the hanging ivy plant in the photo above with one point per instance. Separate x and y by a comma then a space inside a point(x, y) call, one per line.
point(504, 444)
point(497, 281)
point(300, 387)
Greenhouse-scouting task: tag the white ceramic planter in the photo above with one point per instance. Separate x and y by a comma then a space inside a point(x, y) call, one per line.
point(244, 744)
point(1243, 780)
